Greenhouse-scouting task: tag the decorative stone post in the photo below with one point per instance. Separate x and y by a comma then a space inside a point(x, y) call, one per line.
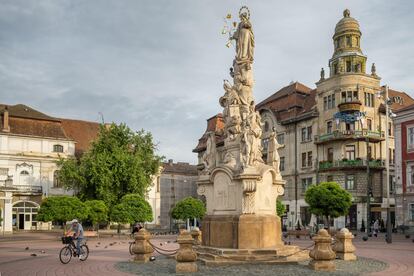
point(343, 247)
point(322, 253)
point(186, 257)
point(196, 234)
point(142, 249)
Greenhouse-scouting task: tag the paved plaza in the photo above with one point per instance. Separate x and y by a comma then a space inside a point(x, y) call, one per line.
point(104, 257)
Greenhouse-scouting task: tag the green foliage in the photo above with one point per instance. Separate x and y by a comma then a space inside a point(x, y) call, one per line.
point(62, 209)
point(132, 208)
point(119, 162)
point(328, 199)
point(188, 208)
point(97, 211)
point(280, 208)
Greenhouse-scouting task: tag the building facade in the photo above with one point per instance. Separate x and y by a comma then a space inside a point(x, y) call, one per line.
point(30, 144)
point(334, 132)
point(404, 166)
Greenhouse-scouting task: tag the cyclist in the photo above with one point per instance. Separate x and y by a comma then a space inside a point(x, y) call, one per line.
point(77, 229)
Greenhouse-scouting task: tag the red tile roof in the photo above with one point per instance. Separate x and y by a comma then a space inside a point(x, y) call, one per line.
point(83, 132)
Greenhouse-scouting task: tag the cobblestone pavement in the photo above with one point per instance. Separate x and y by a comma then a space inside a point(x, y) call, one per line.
point(15, 260)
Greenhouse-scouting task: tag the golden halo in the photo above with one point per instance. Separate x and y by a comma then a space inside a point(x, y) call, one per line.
point(244, 9)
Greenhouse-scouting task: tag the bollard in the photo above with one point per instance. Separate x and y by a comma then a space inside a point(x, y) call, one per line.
point(186, 257)
point(196, 234)
point(142, 249)
point(322, 253)
point(343, 247)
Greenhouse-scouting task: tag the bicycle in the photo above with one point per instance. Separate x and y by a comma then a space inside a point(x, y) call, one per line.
point(70, 250)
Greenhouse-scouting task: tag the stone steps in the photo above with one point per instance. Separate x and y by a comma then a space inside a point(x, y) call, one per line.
point(219, 256)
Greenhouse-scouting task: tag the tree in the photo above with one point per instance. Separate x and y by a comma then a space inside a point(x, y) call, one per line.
point(280, 208)
point(188, 208)
point(119, 162)
point(328, 199)
point(97, 211)
point(61, 209)
point(132, 208)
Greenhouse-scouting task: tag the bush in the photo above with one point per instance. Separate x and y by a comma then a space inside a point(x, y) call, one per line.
point(62, 209)
point(133, 208)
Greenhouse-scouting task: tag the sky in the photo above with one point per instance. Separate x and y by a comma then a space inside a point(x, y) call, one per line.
point(160, 65)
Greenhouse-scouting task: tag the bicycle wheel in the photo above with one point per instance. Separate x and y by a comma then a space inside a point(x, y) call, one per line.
point(131, 245)
point(65, 255)
point(84, 252)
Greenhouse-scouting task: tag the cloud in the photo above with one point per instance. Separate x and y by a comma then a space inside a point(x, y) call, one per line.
point(159, 65)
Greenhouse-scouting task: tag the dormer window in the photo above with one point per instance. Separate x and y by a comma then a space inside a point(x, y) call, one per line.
point(57, 148)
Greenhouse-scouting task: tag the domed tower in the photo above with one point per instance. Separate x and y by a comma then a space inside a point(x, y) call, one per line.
point(347, 56)
point(350, 124)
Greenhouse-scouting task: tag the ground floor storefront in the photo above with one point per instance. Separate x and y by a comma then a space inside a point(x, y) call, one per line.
point(19, 212)
point(298, 214)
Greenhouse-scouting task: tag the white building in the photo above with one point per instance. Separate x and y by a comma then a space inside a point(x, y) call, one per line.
point(30, 144)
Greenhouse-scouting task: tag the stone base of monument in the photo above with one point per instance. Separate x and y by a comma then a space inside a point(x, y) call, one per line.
point(280, 255)
point(186, 267)
point(322, 265)
point(242, 231)
point(346, 256)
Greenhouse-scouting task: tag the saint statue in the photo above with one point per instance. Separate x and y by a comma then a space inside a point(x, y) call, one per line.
point(244, 39)
point(273, 158)
point(209, 156)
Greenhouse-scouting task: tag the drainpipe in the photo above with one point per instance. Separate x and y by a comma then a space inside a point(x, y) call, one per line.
point(296, 174)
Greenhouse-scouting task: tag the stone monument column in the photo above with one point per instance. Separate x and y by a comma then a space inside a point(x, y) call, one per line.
point(240, 189)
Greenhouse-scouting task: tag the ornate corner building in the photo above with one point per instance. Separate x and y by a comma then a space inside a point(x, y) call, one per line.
point(335, 132)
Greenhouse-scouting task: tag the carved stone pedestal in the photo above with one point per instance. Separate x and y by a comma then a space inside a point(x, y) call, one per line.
point(322, 253)
point(186, 257)
point(142, 249)
point(343, 247)
point(247, 231)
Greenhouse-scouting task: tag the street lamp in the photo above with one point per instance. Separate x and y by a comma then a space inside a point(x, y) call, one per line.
point(387, 102)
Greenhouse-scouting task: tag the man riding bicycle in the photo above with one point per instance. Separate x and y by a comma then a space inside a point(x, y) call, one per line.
point(77, 229)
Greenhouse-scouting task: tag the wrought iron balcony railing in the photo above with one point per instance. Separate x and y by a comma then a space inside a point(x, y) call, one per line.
point(351, 164)
point(29, 189)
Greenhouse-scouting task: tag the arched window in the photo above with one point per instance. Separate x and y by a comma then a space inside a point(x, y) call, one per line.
point(24, 173)
point(57, 148)
point(56, 181)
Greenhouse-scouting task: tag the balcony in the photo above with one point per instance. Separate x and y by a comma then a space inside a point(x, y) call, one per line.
point(356, 164)
point(21, 189)
point(359, 135)
point(351, 106)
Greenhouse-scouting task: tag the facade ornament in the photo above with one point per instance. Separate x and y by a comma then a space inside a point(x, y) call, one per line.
point(322, 74)
point(373, 70)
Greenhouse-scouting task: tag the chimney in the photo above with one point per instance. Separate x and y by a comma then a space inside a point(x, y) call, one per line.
point(170, 161)
point(6, 127)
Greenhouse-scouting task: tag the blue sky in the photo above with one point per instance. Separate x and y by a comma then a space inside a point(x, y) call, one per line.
point(159, 65)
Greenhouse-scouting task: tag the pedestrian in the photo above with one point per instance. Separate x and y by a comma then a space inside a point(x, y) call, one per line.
point(376, 227)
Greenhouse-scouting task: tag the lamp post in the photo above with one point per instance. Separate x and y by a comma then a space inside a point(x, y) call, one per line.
point(387, 164)
point(368, 229)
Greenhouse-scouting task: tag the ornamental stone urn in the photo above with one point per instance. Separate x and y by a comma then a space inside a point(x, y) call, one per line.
point(186, 257)
point(322, 253)
point(142, 249)
point(343, 247)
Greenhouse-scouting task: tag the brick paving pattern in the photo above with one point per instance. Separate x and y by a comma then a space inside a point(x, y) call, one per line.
point(103, 258)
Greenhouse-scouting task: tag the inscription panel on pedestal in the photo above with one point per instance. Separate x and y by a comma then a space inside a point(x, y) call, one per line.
point(224, 193)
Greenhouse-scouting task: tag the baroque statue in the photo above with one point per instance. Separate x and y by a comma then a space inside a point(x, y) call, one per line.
point(273, 158)
point(244, 38)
